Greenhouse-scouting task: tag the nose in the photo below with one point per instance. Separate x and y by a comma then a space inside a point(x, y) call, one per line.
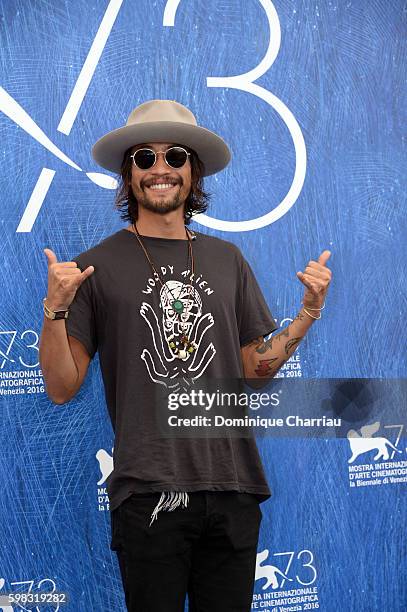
point(160, 165)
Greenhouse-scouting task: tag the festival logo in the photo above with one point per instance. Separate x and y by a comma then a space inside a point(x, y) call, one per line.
point(272, 574)
point(105, 462)
point(373, 457)
point(19, 372)
point(245, 83)
point(268, 571)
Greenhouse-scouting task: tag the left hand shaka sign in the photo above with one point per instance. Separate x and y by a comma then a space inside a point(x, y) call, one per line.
point(316, 278)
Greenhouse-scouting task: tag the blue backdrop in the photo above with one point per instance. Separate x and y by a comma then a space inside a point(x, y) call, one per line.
point(311, 98)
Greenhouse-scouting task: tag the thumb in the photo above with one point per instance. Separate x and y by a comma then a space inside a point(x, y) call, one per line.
point(51, 257)
point(323, 258)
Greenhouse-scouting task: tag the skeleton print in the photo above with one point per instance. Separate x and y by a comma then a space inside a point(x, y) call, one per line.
point(162, 364)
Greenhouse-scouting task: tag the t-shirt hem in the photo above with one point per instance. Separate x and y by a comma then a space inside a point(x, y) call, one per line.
point(263, 493)
point(82, 339)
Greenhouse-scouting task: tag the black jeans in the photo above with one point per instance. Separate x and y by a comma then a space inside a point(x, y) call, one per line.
point(207, 550)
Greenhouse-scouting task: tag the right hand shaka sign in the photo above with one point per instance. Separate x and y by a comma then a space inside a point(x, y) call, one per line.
point(64, 279)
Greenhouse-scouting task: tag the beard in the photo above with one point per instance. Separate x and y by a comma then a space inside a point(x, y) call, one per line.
point(160, 206)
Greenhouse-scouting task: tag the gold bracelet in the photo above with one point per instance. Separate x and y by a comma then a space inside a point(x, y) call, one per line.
point(322, 307)
point(311, 315)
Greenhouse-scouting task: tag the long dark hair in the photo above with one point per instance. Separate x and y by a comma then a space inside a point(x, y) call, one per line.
point(196, 202)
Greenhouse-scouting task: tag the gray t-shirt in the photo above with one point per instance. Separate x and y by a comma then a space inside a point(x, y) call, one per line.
point(123, 312)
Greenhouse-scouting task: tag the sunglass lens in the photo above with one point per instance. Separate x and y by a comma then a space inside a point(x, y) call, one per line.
point(144, 159)
point(176, 157)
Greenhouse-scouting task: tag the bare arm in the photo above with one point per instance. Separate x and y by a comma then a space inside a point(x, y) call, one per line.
point(64, 361)
point(262, 360)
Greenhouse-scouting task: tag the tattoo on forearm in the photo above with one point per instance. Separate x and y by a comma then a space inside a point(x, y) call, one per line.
point(262, 347)
point(282, 350)
point(264, 367)
point(291, 343)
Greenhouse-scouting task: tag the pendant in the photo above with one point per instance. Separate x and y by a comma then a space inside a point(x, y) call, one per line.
point(178, 306)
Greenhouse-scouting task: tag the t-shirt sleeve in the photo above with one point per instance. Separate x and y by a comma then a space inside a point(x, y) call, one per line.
point(81, 321)
point(254, 316)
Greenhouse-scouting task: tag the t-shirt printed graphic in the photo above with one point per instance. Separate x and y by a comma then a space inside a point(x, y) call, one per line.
point(170, 357)
point(123, 312)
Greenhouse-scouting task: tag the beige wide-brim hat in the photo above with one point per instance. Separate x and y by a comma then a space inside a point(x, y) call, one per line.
point(162, 121)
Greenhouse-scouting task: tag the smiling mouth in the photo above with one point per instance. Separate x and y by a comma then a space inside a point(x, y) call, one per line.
point(161, 187)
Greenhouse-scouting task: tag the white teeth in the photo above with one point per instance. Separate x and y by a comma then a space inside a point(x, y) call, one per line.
point(161, 186)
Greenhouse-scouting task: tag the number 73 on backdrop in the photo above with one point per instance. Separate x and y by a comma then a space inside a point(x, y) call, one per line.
point(243, 82)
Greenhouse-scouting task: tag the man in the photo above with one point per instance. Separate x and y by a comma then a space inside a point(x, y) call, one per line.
point(165, 306)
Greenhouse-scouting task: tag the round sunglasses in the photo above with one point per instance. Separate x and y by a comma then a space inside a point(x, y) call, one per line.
point(175, 157)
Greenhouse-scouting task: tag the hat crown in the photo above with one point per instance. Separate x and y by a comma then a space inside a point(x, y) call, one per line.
point(161, 110)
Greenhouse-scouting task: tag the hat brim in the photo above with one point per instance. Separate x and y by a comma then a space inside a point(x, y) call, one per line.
point(211, 149)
